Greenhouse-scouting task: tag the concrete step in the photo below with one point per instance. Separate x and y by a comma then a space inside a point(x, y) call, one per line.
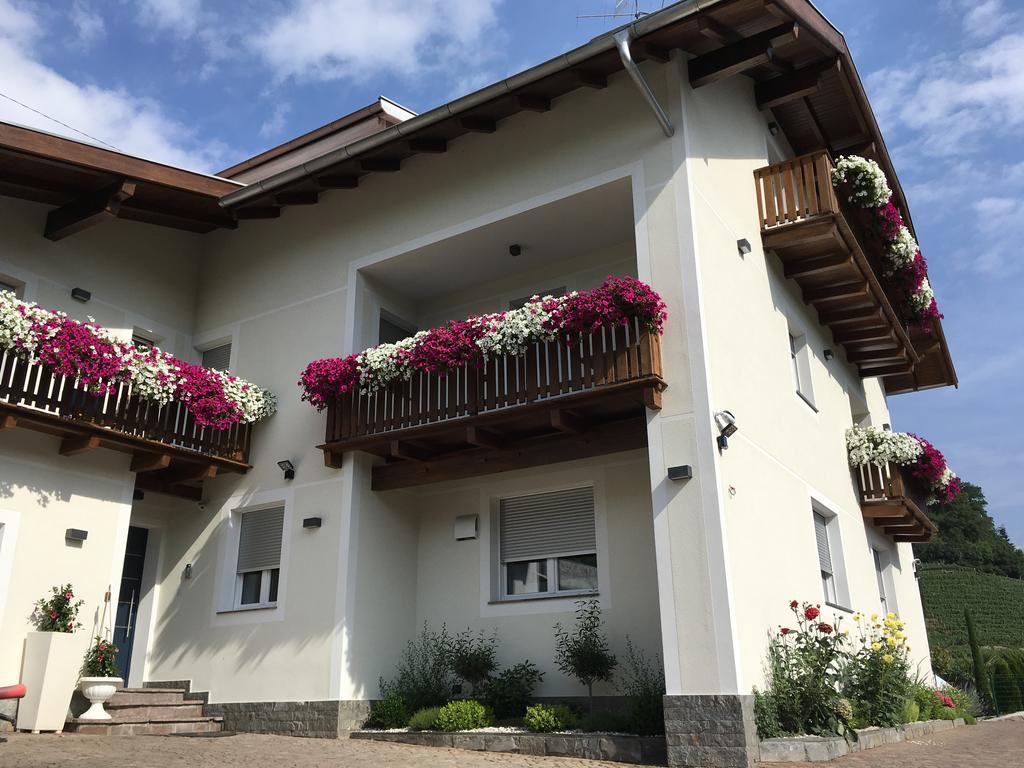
point(148, 696)
point(145, 727)
point(154, 712)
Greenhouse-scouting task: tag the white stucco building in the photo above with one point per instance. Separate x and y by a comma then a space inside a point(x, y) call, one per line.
point(388, 222)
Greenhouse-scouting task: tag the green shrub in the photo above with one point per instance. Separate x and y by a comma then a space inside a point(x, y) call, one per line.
point(981, 679)
point(423, 676)
point(389, 712)
point(584, 653)
point(424, 719)
point(545, 718)
point(927, 703)
point(643, 683)
point(508, 693)
point(766, 716)
point(911, 711)
point(463, 715)
point(604, 722)
point(1006, 686)
point(966, 700)
point(473, 657)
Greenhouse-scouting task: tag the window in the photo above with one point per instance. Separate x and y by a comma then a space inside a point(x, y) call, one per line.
point(391, 329)
point(520, 303)
point(547, 544)
point(10, 284)
point(259, 558)
point(144, 339)
point(217, 357)
point(828, 577)
point(800, 362)
point(882, 575)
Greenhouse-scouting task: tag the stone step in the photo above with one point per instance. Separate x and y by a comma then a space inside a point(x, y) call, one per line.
point(148, 696)
point(145, 728)
point(154, 712)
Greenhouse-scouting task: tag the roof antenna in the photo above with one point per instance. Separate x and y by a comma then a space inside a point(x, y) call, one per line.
point(620, 11)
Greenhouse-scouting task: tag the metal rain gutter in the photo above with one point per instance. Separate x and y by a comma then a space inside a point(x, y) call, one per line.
point(622, 38)
point(575, 57)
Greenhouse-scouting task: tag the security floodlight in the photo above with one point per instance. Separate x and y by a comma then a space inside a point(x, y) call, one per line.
point(288, 468)
point(726, 424)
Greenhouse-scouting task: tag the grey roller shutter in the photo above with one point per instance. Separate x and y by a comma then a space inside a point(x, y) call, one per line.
point(259, 544)
point(821, 534)
point(547, 525)
point(217, 357)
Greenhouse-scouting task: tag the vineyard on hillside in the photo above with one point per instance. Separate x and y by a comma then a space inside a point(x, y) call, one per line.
point(996, 602)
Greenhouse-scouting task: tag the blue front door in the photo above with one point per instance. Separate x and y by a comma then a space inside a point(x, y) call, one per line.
point(128, 597)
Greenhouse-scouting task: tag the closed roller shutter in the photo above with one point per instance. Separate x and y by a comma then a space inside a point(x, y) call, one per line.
point(821, 534)
point(547, 525)
point(218, 358)
point(259, 544)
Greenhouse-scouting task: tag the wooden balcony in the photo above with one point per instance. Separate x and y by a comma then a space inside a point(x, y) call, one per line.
point(555, 403)
point(833, 253)
point(895, 502)
point(170, 452)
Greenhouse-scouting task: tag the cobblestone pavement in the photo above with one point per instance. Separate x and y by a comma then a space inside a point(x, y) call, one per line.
point(997, 744)
point(988, 745)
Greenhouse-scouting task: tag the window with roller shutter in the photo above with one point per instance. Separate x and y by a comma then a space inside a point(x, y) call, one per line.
point(828, 578)
point(218, 358)
point(547, 544)
point(258, 567)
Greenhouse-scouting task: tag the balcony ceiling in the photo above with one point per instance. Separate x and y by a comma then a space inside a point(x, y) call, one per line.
point(573, 226)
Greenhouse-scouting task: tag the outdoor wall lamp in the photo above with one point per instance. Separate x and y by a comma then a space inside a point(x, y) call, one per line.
point(312, 522)
point(75, 534)
point(80, 294)
point(773, 128)
point(829, 354)
point(743, 246)
point(681, 472)
point(726, 424)
point(188, 571)
point(515, 249)
point(288, 468)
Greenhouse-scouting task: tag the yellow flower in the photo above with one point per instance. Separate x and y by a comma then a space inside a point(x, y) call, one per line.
point(874, 617)
point(890, 615)
point(908, 649)
point(890, 641)
point(887, 658)
point(900, 635)
point(846, 633)
point(876, 646)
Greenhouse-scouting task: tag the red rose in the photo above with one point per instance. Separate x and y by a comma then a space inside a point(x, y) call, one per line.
point(811, 613)
point(103, 647)
point(53, 615)
point(793, 604)
point(825, 628)
point(784, 631)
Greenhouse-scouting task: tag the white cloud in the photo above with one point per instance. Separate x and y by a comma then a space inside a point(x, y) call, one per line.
point(275, 124)
point(135, 125)
point(334, 39)
point(88, 23)
point(180, 17)
point(954, 103)
point(981, 18)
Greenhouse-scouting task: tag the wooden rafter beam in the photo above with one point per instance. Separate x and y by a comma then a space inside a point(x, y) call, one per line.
point(832, 292)
point(844, 316)
point(381, 164)
point(428, 146)
point(150, 462)
point(70, 446)
point(189, 473)
point(7, 421)
point(88, 211)
point(796, 85)
point(915, 538)
point(533, 103)
point(590, 79)
point(861, 335)
point(741, 56)
point(400, 449)
point(478, 124)
point(152, 482)
point(567, 421)
point(877, 355)
point(807, 267)
point(486, 438)
point(868, 371)
point(715, 30)
point(337, 181)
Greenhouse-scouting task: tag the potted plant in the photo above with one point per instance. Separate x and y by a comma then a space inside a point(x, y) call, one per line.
point(51, 662)
point(99, 678)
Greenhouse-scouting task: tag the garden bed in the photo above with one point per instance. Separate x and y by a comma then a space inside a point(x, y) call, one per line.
point(817, 749)
point(648, 750)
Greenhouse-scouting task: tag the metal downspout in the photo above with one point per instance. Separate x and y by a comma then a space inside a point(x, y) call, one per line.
point(622, 38)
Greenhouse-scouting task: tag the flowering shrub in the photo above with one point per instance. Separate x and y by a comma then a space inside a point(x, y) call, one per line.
point(877, 673)
point(101, 659)
point(100, 361)
point(471, 342)
point(871, 445)
point(59, 612)
point(869, 189)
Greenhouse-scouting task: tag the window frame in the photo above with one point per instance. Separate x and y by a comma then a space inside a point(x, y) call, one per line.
point(266, 579)
point(499, 590)
point(800, 365)
point(227, 341)
point(266, 574)
point(386, 316)
point(11, 282)
point(840, 597)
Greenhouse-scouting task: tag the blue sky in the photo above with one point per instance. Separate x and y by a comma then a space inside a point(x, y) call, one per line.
point(204, 84)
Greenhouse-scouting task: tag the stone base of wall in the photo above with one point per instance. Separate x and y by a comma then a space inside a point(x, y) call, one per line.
point(315, 719)
point(817, 749)
point(710, 730)
point(592, 746)
point(8, 707)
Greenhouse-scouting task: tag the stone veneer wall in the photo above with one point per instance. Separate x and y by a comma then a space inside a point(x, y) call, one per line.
point(712, 730)
point(315, 719)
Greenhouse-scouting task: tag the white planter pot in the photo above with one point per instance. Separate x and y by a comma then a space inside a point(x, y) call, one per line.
point(49, 672)
point(98, 691)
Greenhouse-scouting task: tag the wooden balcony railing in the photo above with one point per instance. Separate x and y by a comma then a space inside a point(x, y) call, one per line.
point(165, 440)
point(895, 501)
point(795, 190)
point(553, 389)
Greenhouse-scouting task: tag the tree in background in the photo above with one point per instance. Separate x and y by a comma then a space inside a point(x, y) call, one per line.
point(980, 674)
point(968, 536)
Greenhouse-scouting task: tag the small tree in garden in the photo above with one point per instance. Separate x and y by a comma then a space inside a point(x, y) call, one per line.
point(643, 683)
point(59, 612)
point(981, 681)
point(474, 657)
point(101, 659)
point(423, 676)
point(584, 653)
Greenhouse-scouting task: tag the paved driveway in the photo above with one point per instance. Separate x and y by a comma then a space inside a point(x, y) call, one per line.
point(989, 745)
